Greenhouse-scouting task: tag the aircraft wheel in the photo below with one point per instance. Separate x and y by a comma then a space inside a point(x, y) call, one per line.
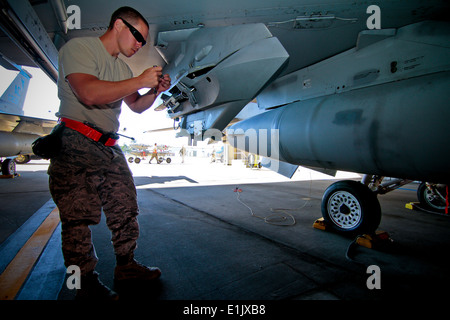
point(8, 167)
point(351, 208)
point(22, 159)
point(432, 201)
point(168, 160)
point(137, 160)
point(130, 159)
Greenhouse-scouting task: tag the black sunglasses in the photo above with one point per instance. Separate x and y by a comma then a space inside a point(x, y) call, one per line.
point(136, 34)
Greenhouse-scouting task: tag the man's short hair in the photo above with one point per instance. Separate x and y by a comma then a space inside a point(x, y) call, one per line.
point(131, 15)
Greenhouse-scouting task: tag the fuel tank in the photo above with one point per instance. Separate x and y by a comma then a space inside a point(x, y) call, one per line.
point(396, 129)
point(13, 144)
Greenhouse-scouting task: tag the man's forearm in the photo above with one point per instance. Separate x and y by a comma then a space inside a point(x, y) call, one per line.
point(139, 103)
point(92, 91)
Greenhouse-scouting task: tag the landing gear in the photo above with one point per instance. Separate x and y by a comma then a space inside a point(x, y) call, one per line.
point(432, 196)
point(8, 167)
point(351, 207)
point(23, 158)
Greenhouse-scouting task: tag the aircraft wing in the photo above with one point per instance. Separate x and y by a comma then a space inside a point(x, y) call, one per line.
point(27, 125)
point(31, 32)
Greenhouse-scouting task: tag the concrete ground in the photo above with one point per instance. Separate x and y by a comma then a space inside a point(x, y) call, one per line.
point(213, 243)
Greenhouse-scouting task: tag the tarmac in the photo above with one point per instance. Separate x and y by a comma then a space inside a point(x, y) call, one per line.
point(231, 233)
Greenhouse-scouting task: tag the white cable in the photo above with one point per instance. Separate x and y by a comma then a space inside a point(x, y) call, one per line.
point(277, 218)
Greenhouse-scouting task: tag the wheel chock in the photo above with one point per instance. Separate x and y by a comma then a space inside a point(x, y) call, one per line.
point(375, 240)
point(379, 239)
point(412, 206)
point(9, 176)
point(320, 224)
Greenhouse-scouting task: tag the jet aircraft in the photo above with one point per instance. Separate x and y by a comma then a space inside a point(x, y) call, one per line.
point(17, 131)
point(340, 84)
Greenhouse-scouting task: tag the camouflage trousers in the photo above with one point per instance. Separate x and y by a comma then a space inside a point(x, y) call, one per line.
point(85, 178)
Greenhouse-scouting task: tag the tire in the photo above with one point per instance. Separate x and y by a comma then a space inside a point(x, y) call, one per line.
point(9, 167)
point(130, 159)
point(22, 159)
point(350, 207)
point(168, 160)
point(429, 201)
point(137, 160)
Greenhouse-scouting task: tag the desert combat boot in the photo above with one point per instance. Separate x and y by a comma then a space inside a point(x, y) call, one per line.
point(133, 270)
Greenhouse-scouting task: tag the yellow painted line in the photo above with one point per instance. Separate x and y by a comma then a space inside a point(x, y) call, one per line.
point(15, 274)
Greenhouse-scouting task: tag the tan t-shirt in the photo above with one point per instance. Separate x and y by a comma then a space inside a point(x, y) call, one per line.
point(88, 55)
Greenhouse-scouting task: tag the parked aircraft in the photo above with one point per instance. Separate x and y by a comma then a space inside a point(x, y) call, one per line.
point(340, 85)
point(17, 132)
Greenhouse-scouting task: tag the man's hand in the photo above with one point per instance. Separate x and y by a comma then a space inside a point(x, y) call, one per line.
point(164, 84)
point(151, 77)
point(154, 79)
